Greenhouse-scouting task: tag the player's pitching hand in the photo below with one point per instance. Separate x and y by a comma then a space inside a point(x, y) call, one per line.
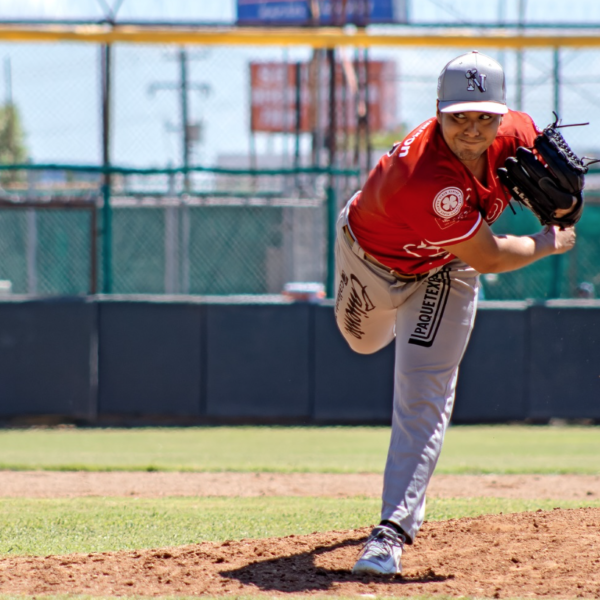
point(561, 240)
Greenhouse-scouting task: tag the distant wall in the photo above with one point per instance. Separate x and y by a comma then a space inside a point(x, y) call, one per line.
point(126, 360)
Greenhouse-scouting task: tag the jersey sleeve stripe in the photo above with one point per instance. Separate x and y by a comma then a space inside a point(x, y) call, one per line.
point(462, 238)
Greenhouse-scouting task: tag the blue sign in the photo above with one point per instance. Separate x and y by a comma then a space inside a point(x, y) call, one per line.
point(326, 12)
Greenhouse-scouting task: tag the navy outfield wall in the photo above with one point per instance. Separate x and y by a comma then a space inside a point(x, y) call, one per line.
point(48, 357)
point(492, 383)
point(564, 379)
point(149, 357)
point(192, 360)
point(258, 362)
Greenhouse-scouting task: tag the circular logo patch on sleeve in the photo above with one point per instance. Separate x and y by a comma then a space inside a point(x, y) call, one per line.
point(448, 203)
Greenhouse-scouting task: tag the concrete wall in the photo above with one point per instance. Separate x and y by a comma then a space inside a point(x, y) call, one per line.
point(109, 359)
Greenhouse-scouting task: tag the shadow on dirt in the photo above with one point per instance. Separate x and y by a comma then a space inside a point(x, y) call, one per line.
point(298, 573)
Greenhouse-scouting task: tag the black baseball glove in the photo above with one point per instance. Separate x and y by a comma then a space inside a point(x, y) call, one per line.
point(554, 182)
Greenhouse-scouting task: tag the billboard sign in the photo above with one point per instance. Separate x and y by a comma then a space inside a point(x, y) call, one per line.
point(320, 12)
point(274, 98)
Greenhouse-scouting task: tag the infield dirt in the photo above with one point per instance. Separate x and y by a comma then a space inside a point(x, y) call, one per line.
point(57, 484)
point(552, 554)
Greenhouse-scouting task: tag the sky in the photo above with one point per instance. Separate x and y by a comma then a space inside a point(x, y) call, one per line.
point(224, 11)
point(56, 86)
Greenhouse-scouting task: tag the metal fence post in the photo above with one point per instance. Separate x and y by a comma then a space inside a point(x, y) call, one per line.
point(171, 216)
point(106, 237)
point(331, 221)
point(94, 248)
point(186, 236)
point(557, 259)
point(31, 251)
point(105, 79)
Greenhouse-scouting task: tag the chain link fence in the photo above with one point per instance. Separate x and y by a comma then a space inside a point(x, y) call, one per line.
point(572, 275)
point(232, 227)
point(215, 249)
point(46, 250)
point(222, 236)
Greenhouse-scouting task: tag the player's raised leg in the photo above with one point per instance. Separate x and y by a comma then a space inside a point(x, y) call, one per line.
point(364, 302)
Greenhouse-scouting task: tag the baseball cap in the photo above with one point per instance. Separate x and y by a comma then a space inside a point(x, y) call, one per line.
point(472, 81)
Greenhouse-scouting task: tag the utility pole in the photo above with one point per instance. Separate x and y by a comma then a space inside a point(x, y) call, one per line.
point(185, 122)
point(189, 131)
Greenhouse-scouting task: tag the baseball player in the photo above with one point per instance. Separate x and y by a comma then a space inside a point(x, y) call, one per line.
point(410, 247)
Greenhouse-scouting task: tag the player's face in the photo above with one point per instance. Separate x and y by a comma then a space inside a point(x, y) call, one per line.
point(469, 134)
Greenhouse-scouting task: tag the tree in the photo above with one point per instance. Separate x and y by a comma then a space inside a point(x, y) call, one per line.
point(12, 142)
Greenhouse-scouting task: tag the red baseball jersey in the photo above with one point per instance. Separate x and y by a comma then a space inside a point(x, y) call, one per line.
point(421, 197)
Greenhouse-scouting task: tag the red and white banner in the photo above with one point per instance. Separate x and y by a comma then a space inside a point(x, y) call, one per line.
point(273, 97)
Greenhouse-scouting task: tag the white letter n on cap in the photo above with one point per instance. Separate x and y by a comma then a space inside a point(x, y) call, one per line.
point(471, 76)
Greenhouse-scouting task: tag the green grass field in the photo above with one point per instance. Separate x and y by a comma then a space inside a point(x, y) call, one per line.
point(52, 526)
point(96, 524)
point(489, 449)
point(63, 526)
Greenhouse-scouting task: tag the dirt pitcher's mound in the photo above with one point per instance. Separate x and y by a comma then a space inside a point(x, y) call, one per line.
point(555, 553)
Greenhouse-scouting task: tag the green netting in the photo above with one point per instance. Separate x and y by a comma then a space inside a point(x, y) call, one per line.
point(226, 250)
point(63, 257)
point(234, 248)
point(221, 250)
point(45, 251)
point(13, 249)
point(138, 251)
point(555, 276)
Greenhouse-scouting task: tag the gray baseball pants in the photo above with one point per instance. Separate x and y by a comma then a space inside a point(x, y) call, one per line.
point(431, 321)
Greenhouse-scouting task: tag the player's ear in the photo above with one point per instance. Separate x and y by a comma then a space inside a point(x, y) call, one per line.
point(438, 114)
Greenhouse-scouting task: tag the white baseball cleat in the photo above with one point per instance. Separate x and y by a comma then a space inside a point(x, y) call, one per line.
point(381, 553)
